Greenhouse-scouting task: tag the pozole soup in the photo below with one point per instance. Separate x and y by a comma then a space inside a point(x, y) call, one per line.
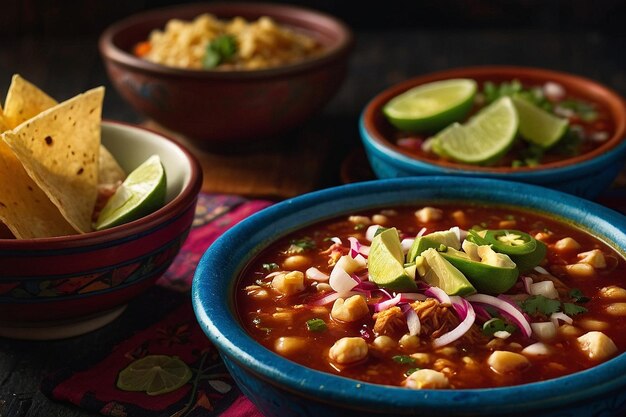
point(440, 297)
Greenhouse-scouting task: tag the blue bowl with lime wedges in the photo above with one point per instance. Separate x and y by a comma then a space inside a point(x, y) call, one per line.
point(522, 124)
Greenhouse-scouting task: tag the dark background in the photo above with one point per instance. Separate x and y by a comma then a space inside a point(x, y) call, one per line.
point(89, 17)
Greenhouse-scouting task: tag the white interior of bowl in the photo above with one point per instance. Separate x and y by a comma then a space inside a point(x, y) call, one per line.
point(132, 145)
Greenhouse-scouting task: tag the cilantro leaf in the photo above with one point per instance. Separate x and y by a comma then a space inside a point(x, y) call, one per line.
point(219, 50)
point(403, 359)
point(301, 245)
point(270, 267)
point(573, 309)
point(540, 304)
point(578, 296)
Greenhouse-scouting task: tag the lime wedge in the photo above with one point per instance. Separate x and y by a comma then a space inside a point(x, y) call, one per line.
point(386, 262)
point(432, 106)
point(487, 276)
point(484, 138)
point(140, 194)
point(154, 375)
point(537, 125)
point(441, 273)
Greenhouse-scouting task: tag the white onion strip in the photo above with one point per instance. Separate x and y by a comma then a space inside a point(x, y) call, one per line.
point(406, 245)
point(527, 282)
point(555, 317)
point(461, 306)
point(341, 281)
point(371, 232)
point(421, 232)
point(327, 299)
point(413, 321)
point(505, 307)
point(316, 275)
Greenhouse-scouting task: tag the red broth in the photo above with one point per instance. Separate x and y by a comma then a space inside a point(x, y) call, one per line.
point(590, 125)
point(279, 321)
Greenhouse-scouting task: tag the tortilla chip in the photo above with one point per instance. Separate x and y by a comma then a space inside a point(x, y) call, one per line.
point(60, 149)
point(24, 208)
point(4, 125)
point(109, 171)
point(24, 101)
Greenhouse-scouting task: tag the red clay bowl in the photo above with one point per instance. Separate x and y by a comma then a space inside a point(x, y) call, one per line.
point(220, 109)
point(63, 286)
point(585, 175)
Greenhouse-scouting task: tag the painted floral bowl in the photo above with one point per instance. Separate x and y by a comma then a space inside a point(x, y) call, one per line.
point(586, 174)
point(280, 387)
point(228, 110)
point(63, 286)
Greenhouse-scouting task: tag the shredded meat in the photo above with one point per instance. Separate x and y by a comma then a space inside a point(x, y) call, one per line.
point(390, 322)
point(334, 252)
point(437, 319)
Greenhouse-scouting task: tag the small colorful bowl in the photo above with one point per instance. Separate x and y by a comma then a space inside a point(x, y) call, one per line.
point(585, 175)
point(63, 286)
point(228, 110)
point(279, 387)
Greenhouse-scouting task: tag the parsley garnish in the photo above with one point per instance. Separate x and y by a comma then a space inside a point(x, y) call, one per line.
point(573, 309)
point(497, 325)
point(219, 50)
point(301, 245)
point(404, 359)
point(316, 325)
point(540, 304)
point(578, 296)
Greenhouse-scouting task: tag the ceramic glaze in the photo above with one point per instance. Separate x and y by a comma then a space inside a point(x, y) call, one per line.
point(280, 387)
point(585, 175)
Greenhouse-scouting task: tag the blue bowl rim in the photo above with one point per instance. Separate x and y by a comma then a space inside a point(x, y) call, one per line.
point(396, 158)
point(213, 299)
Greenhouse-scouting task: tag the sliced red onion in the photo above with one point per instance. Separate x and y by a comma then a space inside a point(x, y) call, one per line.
point(384, 305)
point(406, 244)
point(336, 240)
point(527, 282)
point(504, 306)
point(371, 232)
point(421, 232)
point(460, 305)
point(341, 281)
point(481, 312)
point(555, 317)
point(356, 248)
point(316, 275)
point(438, 294)
point(412, 320)
point(410, 143)
point(412, 296)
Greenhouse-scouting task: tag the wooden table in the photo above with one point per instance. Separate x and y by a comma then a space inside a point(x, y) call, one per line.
point(64, 67)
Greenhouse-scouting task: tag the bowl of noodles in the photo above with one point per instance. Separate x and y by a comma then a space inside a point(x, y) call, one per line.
point(225, 74)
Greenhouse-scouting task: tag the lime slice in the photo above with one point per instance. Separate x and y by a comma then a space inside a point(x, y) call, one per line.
point(484, 138)
point(154, 375)
point(432, 106)
point(537, 125)
point(441, 273)
point(140, 194)
point(386, 262)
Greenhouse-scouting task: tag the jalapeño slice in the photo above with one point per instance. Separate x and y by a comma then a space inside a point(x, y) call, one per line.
point(526, 251)
point(511, 242)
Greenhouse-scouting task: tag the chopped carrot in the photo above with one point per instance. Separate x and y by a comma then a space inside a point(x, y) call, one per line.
point(142, 48)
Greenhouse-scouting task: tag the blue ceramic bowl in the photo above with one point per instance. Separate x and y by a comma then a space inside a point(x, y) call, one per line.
point(280, 387)
point(585, 175)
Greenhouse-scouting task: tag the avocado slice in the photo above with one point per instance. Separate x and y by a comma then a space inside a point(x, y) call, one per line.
point(433, 240)
point(491, 272)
